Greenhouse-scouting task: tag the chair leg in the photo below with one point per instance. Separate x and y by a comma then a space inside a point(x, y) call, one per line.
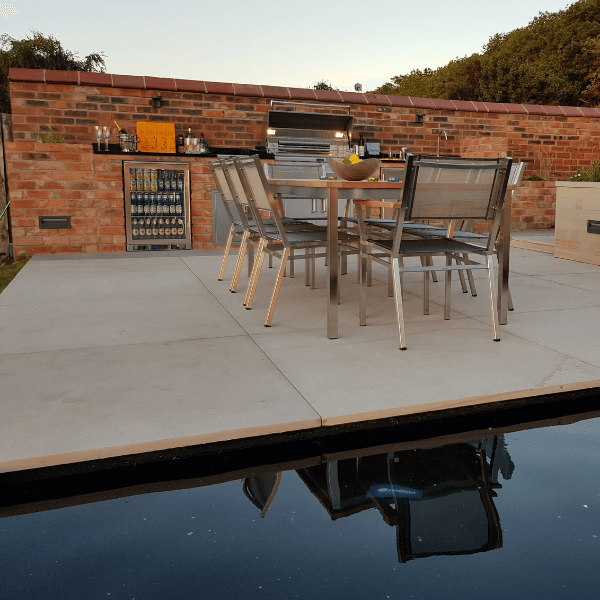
point(425, 287)
point(493, 301)
point(339, 278)
point(239, 263)
point(292, 265)
point(463, 284)
point(448, 290)
point(307, 266)
point(270, 261)
point(433, 273)
point(362, 278)
point(250, 259)
point(313, 272)
point(399, 307)
point(510, 302)
point(227, 249)
point(390, 281)
point(255, 275)
point(277, 287)
point(471, 280)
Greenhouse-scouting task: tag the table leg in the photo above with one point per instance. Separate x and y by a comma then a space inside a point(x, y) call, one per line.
point(504, 260)
point(332, 263)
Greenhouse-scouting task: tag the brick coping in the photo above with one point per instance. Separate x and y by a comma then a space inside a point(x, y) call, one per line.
point(47, 76)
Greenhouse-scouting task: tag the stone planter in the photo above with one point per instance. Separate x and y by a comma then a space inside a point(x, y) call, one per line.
point(576, 204)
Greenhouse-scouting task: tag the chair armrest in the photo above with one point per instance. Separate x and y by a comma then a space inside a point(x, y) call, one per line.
point(378, 204)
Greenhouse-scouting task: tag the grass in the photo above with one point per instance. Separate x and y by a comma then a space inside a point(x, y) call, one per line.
point(9, 270)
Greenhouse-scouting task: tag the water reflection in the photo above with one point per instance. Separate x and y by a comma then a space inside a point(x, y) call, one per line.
point(440, 499)
point(190, 527)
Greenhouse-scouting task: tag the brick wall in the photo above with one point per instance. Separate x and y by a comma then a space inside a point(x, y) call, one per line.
point(232, 115)
point(534, 206)
point(70, 180)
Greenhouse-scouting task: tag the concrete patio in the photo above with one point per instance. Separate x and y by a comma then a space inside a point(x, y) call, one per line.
point(104, 356)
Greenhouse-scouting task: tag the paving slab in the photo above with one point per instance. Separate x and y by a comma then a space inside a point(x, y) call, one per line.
point(68, 406)
point(116, 355)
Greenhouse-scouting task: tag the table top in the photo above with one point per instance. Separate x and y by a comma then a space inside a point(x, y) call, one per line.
point(336, 183)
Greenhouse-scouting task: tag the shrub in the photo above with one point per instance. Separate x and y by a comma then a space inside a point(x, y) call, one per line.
point(591, 174)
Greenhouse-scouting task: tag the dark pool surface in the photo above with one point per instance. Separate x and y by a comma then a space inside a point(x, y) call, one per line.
point(514, 515)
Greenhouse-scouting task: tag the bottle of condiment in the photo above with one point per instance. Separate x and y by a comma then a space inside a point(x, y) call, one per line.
point(180, 143)
point(361, 146)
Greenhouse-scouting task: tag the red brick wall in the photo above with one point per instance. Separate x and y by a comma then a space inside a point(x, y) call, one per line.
point(232, 115)
point(534, 206)
point(69, 180)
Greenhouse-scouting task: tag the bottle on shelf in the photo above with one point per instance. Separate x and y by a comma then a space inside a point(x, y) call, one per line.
point(361, 146)
point(121, 130)
point(189, 141)
point(180, 228)
point(203, 145)
point(178, 203)
point(146, 204)
point(134, 203)
point(180, 143)
point(135, 232)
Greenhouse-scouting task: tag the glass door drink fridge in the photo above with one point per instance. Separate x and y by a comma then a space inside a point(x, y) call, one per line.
point(157, 205)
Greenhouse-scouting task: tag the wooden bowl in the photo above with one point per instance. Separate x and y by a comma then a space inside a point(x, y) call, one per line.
point(358, 172)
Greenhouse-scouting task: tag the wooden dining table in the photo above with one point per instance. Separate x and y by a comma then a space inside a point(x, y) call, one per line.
point(335, 190)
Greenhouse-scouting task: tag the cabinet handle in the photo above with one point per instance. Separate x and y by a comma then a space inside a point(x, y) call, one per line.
point(323, 204)
point(313, 206)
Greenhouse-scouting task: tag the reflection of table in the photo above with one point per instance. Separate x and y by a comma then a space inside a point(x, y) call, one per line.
point(335, 190)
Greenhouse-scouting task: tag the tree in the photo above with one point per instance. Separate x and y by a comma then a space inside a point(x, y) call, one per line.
point(40, 52)
point(324, 85)
point(553, 60)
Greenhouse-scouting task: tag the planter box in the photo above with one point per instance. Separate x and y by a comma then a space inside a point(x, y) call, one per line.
point(576, 204)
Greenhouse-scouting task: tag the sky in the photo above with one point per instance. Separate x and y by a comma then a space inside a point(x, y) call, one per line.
point(269, 42)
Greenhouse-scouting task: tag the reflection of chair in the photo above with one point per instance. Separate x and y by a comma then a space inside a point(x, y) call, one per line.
point(281, 240)
point(261, 490)
point(439, 191)
point(439, 499)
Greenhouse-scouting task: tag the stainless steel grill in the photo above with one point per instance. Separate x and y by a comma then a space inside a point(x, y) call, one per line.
point(300, 136)
point(301, 142)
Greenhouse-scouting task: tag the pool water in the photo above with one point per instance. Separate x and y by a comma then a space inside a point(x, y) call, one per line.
point(510, 515)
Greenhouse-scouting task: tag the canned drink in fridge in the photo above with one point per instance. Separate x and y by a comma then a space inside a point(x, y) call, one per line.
point(153, 175)
point(147, 174)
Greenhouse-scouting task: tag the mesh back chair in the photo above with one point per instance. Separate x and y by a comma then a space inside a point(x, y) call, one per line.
point(301, 171)
point(464, 230)
point(234, 192)
point(440, 191)
point(238, 230)
point(281, 240)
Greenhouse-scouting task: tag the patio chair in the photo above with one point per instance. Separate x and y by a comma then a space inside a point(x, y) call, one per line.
point(239, 191)
point(281, 241)
point(439, 191)
point(464, 230)
point(237, 230)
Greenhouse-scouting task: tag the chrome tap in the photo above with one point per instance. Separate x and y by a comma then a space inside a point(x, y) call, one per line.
point(439, 134)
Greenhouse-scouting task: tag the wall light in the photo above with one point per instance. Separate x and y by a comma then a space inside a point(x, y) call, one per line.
point(156, 101)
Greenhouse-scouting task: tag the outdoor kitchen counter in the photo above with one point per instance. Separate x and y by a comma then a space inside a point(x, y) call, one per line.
point(86, 186)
